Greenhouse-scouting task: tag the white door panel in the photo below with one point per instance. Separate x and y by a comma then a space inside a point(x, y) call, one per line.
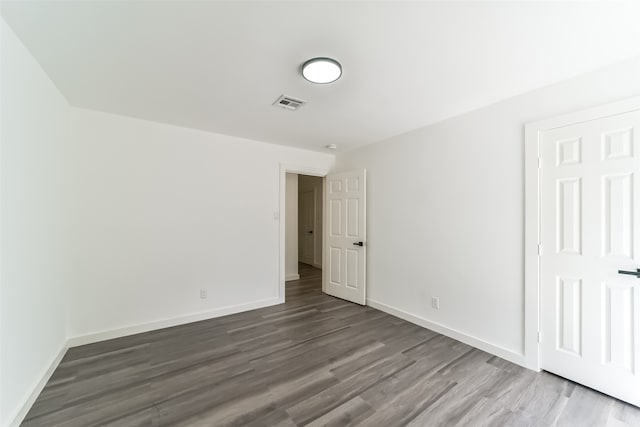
point(590, 229)
point(346, 236)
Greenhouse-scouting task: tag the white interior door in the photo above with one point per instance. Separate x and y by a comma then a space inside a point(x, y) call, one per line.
point(345, 236)
point(306, 227)
point(590, 229)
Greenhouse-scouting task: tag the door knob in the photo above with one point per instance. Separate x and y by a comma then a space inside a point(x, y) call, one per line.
point(358, 244)
point(631, 273)
point(310, 231)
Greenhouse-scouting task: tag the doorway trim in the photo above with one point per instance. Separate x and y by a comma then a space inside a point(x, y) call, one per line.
point(532, 163)
point(303, 170)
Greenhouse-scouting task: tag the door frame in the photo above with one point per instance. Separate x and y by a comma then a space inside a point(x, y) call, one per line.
point(532, 163)
point(300, 170)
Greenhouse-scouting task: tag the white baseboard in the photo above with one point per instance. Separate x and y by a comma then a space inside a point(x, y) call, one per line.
point(496, 350)
point(291, 277)
point(167, 323)
point(502, 352)
point(130, 330)
point(37, 389)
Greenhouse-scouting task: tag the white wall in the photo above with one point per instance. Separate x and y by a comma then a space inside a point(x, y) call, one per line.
point(112, 225)
point(291, 228)
point(163, 212)
point(314, 183)
point(34, 135)
point(446, 209)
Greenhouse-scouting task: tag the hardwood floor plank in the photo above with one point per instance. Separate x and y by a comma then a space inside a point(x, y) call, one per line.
point(345, 390)
point(277, 418)
point(405, 400)
point(586, 407)
point(347, 414)
point(290, 393)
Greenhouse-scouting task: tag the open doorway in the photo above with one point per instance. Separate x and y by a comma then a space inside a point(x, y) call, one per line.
point(339, 209)
point(310, 220)
point(303, 228)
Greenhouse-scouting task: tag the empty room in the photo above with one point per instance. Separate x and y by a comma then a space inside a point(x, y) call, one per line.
point(319, 213)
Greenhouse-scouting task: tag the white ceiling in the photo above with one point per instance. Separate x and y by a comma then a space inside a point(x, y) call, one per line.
point(218, 66)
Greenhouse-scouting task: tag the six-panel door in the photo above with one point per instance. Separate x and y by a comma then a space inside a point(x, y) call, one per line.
point(590, 229)
point(346, 236)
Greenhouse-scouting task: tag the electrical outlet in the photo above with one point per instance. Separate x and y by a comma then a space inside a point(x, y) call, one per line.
point(203, 294)
point(435, 302)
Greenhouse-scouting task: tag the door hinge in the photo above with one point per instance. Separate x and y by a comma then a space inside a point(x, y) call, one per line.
point(539, 337)
point(539, 248)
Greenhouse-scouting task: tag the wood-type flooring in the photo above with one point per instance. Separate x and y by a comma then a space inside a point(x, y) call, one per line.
point(313, 361)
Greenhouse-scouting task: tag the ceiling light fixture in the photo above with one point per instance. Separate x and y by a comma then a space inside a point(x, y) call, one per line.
point(331, 146)
point(321, 70)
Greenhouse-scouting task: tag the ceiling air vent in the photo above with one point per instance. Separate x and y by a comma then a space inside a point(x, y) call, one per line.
point(288, 102)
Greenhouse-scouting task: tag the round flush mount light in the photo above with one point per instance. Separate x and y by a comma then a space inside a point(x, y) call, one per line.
point(321, 70)
point(331, 147)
